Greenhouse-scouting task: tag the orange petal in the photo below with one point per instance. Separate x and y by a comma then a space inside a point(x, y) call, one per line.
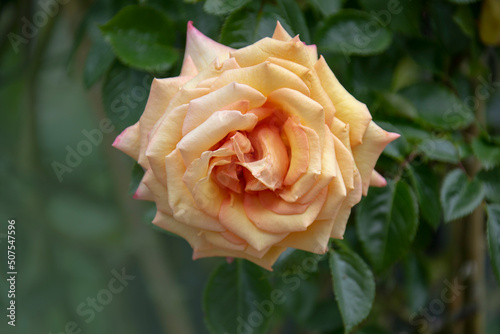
point(276, 223)
point(180, 199)
point(274, 203)
point(232, 216)
point(314, 239)
point(299, 151)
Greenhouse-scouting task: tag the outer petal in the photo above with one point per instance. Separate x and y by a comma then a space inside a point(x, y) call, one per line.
point(348, 109)
point(353, 198)
point(314, 239)
point(159, 192)
point(377, 180)
point(161, 93)
point(202, 49)
point(128, 141)
point(280, 33)
point(366, 155)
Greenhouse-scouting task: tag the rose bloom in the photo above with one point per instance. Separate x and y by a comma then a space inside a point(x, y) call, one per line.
point(254, 150)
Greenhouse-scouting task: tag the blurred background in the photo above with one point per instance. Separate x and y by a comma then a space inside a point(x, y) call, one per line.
point(88, 257)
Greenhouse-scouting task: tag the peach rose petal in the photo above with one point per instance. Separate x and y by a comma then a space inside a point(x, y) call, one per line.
point(143, 193)
point(202, 108)
point(217, 240)
point(128, 141)
point(202, 49)
point(299, 151)
point(270, 201)
point(214, 129)
point(209, 73)
point(258, 52)
point(265, 77)
point(353, 198)
point(266, 261)
point(348, 109)
point(160, 96)
point(159, 191)
point(168, 223)
point(280, 33)
point(269, 221)
point(314, 239)
point(305, 183)
point(377, 180)
point(188, 67)
point(366, 155)
point(180, 199)
point(232, 216)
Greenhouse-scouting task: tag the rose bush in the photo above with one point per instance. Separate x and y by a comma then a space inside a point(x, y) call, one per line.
point(254, 150)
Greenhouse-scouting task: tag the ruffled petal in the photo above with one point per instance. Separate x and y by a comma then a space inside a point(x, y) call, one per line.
point(232, 216)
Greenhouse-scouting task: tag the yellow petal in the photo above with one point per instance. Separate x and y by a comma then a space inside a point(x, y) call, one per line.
point(299, 106)
point(264, 77)
point(353, 198)
point(329, 168)
point(160, 96)
point(314, 239)
point(202, 108)
point(280, 33)
point(159, 192)
point(276, 223)
point(202, 49)
point(266, 261)
point(214, 129)
point(188, 67)
point(367, 154)
point(347, 108)
point(232, 216)
point(128, 141)
point(180, 198)
point(258, 52)
point(214, 70)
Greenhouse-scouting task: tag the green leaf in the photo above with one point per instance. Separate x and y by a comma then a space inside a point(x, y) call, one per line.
point(136, 178)
point(142, 37)
point(248, 25)
point(439, 150)
point(237, 299)
point(353, 284)
point(99, 60)
point(427, 54)
point(394, 104)
point(295, 18)
point(353, 32)
point(493, 232)
point(124, 95)
point(327, 7)
point(488, 153)
point(462, 2)
point(491, 184)
point(425, 182)
point(437, 106)
point(401, 16)
point(464, 18)
point(223, 7)
point(416, 285)
point(386, 223)
point(459, 195)
point(448, 33)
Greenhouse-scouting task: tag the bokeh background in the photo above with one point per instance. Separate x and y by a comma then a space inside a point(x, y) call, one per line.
point(77, 227)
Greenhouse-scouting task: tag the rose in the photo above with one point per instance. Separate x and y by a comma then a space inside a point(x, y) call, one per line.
point(254, 150)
